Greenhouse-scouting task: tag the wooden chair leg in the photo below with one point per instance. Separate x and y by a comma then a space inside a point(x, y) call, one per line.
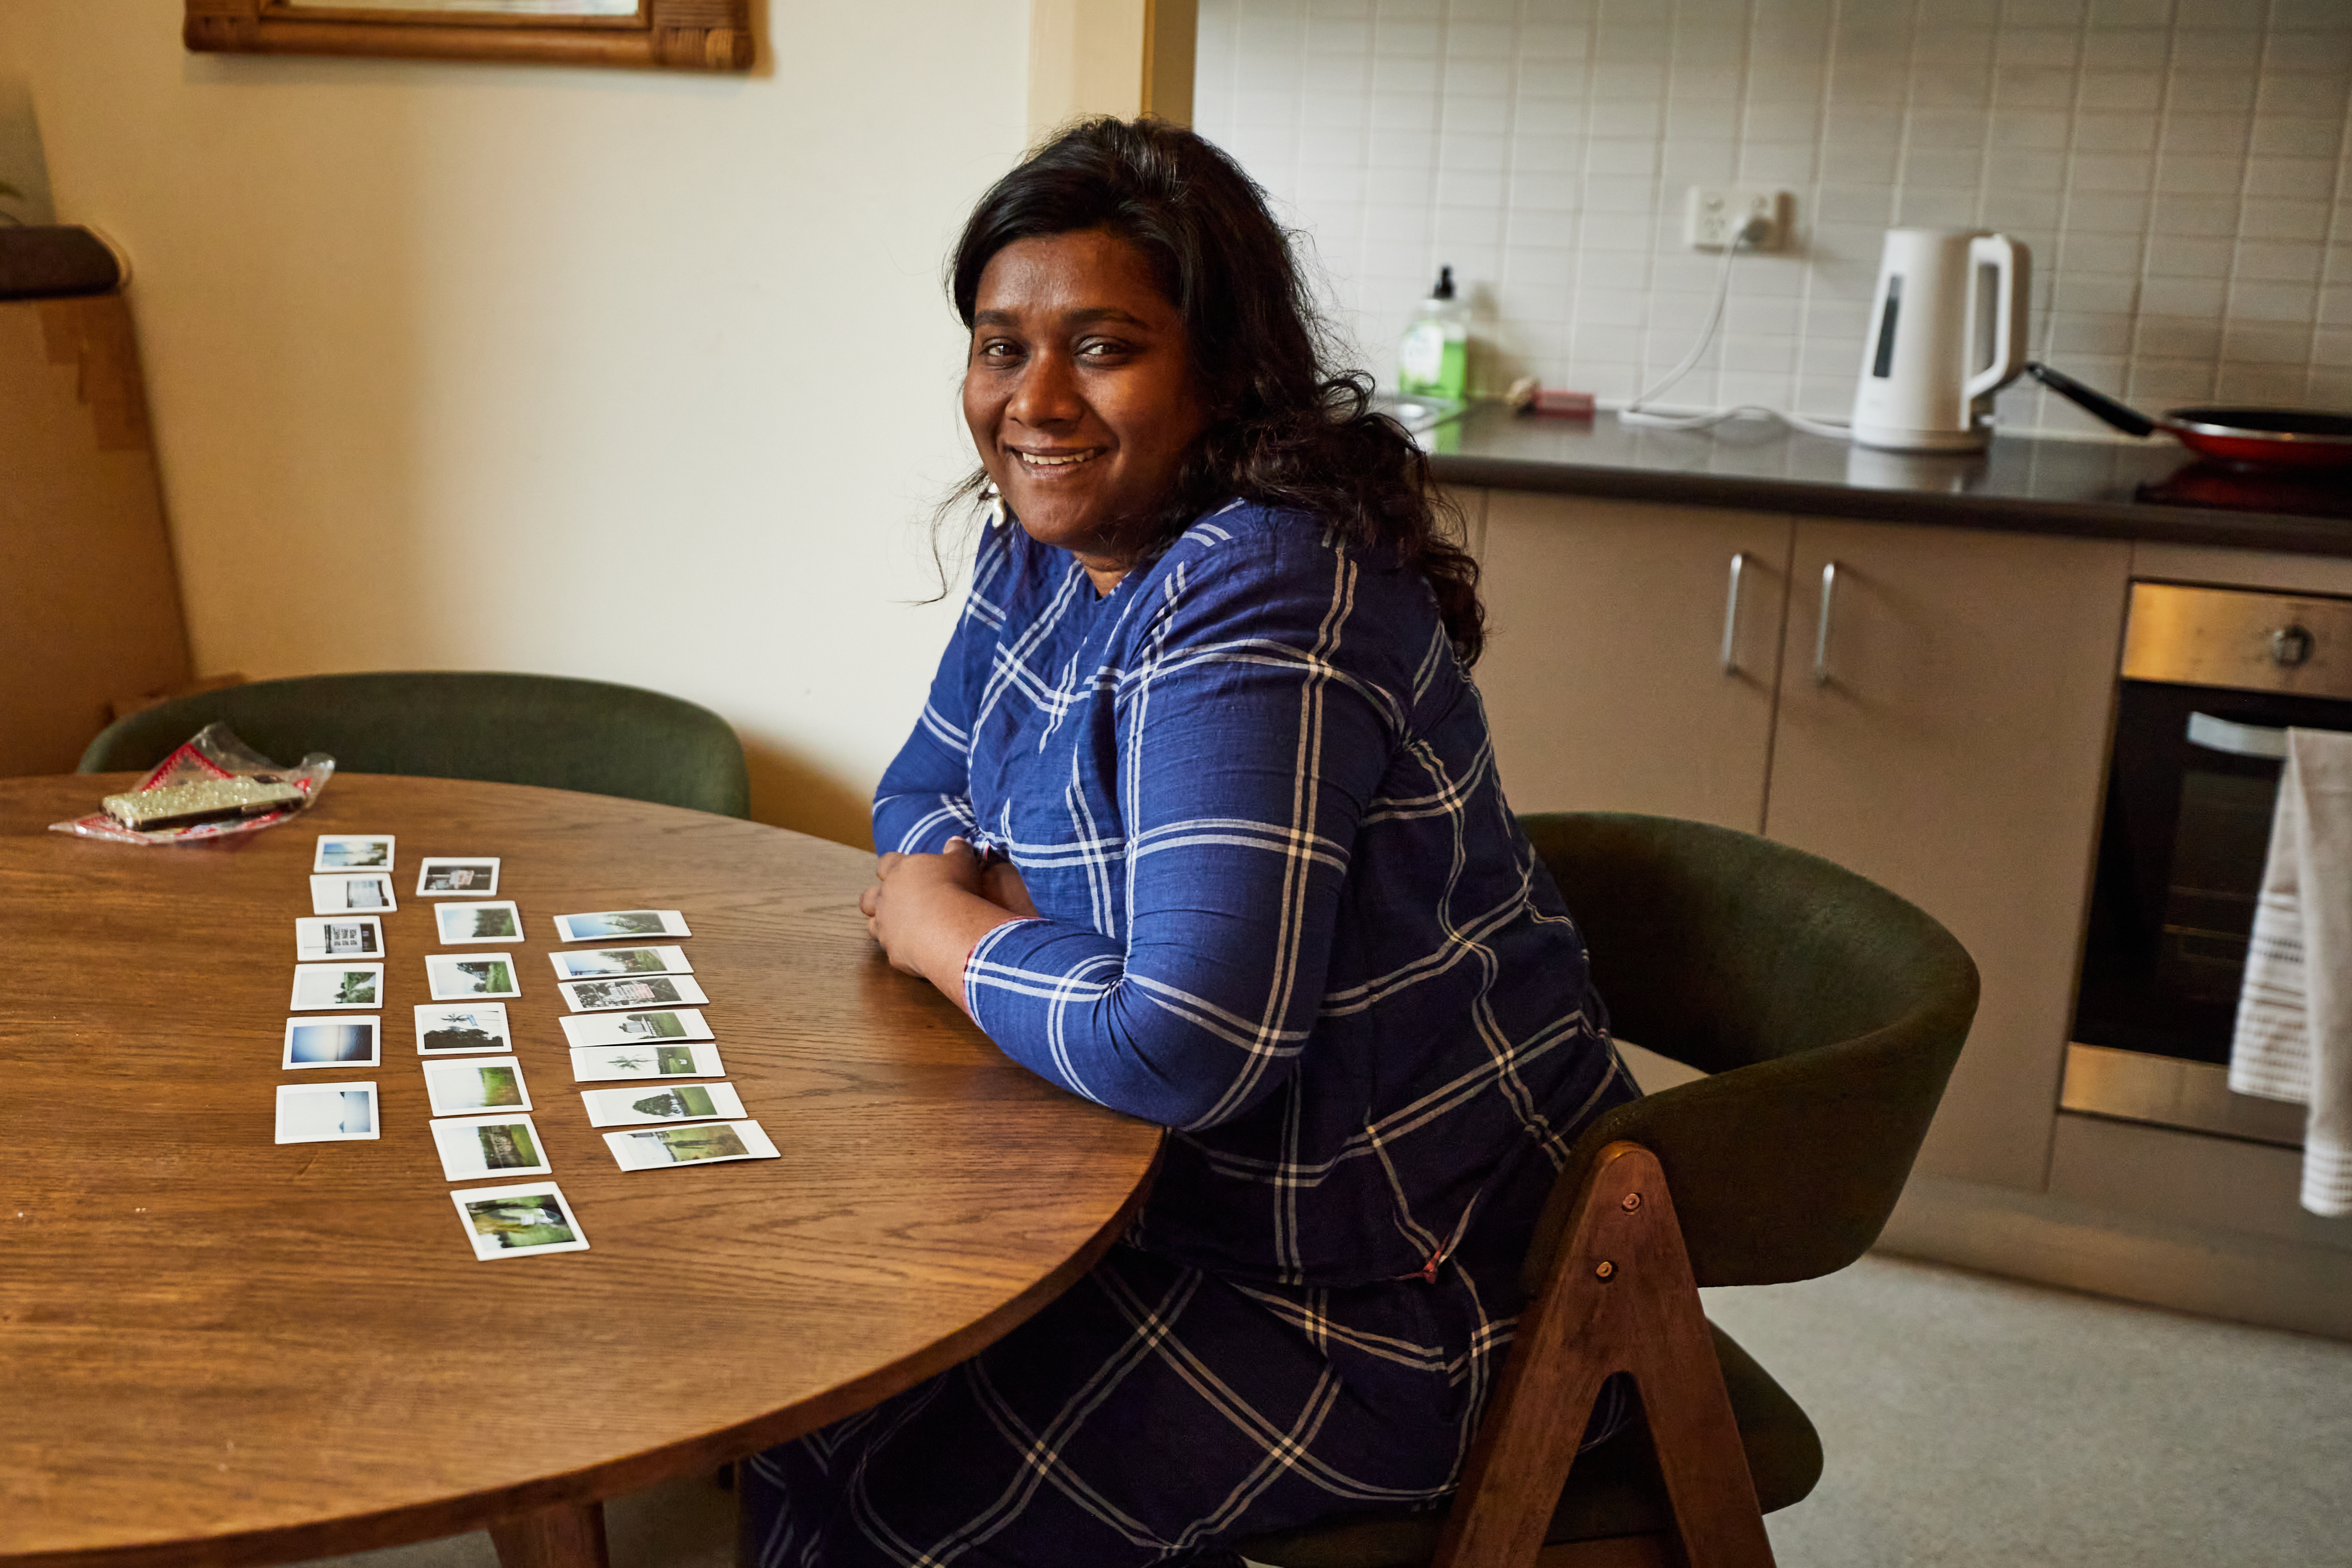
point(1620, 1298)
point(1612, 1552)
point(570, 1535)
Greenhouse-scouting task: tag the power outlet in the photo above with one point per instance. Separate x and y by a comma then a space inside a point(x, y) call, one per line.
point(1714, 213)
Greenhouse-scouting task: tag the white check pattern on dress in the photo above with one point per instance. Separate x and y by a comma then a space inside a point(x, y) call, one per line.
point(1286, 913)
point(1286, 909)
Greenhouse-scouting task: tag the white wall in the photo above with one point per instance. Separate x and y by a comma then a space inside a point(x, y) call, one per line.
point(2182, 169)
point(642, 376)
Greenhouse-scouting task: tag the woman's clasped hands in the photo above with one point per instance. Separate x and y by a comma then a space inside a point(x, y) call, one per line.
point(928, 912)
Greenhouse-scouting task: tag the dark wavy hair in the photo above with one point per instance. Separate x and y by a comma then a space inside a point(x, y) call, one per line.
point(1286, 426)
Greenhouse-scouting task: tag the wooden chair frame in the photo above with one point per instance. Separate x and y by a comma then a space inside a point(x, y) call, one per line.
point(1619, 1297)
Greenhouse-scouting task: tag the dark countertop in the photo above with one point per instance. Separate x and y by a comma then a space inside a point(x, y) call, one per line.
point(2020, 483)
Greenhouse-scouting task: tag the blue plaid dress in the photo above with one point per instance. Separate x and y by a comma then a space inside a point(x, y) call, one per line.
point(1287, 915)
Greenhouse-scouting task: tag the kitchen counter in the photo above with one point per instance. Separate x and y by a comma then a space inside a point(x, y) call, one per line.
point(2099, 489)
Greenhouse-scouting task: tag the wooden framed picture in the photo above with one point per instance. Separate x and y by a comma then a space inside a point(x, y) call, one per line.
point(678, 35)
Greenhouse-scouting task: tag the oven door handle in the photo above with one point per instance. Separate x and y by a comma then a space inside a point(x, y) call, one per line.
point(2236, 739)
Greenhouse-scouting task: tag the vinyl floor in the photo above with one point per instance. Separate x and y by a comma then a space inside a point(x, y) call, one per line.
point(1974, 1422)
point(1970, 1422)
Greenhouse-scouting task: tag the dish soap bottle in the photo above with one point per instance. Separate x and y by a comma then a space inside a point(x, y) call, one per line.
point(1435, 359)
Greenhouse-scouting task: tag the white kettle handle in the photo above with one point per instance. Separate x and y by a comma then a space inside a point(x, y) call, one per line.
point(2009, 260)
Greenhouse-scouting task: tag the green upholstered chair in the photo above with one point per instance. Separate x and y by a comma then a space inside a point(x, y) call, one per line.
point(590, 735)
point(1828, 1013)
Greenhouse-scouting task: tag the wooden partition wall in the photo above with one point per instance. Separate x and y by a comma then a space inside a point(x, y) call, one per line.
point(90, 603)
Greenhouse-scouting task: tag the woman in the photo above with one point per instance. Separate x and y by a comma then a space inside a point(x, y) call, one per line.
point(1201, 821)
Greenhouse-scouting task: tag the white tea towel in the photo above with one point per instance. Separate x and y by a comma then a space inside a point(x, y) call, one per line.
point(2294, 1039)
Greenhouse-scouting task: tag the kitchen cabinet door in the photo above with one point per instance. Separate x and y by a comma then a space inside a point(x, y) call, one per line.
point(1605, 676)
point(1955, 754)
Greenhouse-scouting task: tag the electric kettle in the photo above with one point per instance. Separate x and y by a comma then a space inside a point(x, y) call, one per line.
point(1947, 331)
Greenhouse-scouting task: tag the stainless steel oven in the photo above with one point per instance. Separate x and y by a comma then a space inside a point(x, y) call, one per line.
point(2213, 678)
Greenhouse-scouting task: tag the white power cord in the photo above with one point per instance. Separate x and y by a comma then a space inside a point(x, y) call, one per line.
point(1637, 413)
point(1633, 412)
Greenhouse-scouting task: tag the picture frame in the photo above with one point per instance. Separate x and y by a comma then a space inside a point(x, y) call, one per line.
point(664, 34)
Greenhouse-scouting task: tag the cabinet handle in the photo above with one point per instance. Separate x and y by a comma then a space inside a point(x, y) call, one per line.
point(1731, 616)
point(1821, 632)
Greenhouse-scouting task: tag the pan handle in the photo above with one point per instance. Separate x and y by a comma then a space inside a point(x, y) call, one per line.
point(2099, 405)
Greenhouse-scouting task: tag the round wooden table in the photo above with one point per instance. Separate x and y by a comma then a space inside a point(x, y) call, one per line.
point(216, 1349)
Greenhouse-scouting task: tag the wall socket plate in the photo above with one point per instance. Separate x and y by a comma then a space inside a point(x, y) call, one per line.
point(1713, 214)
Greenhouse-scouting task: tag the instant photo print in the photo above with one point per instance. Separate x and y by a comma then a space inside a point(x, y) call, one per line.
point(615, 963)
point(320, 987)
point(583, 1030)
point(493, 922)
point(517, 1221)
point(353, 852)
point(639, 991)
point(705, 1143)
point(470, 977)
point(457, 876)
point(603, 1063)
point(620, 926)
point(478, 1148)
point(450, 1029)
point(352, 893)
point(326, 1112)
point(337, 936)
point(483, 1083)
point(333, 1042)
point(678, 1102)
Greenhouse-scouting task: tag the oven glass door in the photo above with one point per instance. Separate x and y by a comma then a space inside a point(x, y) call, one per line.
point(2191, 789)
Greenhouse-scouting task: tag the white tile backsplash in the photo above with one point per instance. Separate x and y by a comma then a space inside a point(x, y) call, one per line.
point(2182, 169)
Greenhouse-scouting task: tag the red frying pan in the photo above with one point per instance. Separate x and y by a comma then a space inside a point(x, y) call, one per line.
point(2254, 437)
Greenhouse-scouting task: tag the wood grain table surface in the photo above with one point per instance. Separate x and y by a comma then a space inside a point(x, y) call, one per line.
point(215, 1349)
